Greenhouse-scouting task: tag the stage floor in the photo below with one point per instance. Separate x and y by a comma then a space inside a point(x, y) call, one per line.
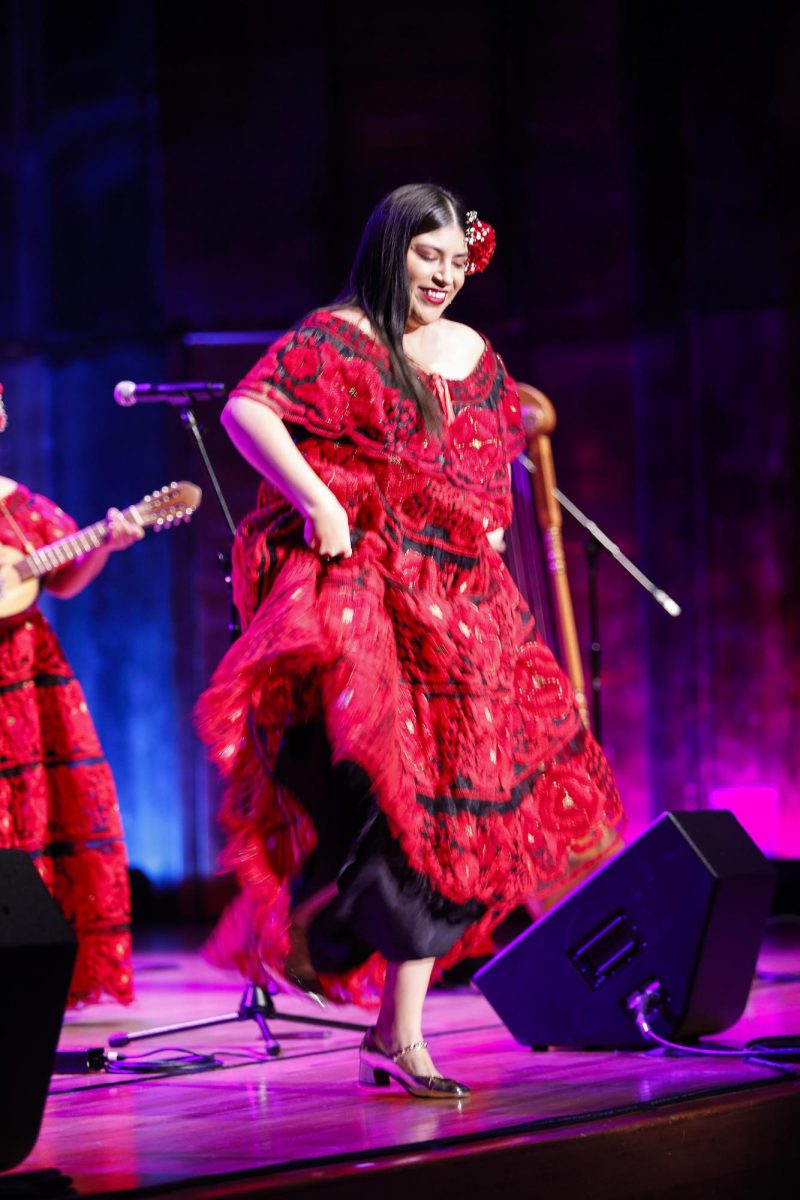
point(300, 1124)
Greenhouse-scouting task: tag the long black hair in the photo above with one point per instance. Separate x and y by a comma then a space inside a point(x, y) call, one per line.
point(378, 282)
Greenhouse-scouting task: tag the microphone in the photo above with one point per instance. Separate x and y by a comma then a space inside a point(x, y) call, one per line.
point(128, 393)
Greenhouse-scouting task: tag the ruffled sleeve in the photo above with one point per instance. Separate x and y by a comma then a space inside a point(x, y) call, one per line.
point(318, 382)
point(56, 522)
point(514, 438)
point(42, 520)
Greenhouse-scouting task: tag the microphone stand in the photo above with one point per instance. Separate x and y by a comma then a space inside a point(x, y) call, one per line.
point(225, 556)
point(256, 1003)
point(596, 541)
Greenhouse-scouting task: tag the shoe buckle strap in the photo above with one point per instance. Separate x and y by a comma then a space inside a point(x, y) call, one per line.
point(408, 1049)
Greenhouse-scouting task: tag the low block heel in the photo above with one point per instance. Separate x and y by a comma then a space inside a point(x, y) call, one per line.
point(372, 1076)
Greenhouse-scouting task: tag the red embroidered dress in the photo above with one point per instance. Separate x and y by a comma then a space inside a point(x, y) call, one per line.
point(57, 794)
point(399, 701)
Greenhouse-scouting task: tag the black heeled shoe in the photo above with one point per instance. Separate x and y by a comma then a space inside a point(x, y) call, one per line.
point(287, 983)
point(376, 1067)
point(291, 983)
point(299, 977)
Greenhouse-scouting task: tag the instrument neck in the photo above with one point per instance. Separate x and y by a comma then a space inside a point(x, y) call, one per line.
point(65, 550)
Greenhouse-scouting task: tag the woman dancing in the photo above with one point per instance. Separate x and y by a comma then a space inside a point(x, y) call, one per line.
point(405, 762)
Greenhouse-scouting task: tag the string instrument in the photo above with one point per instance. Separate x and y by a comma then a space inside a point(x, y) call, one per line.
point(163, 509)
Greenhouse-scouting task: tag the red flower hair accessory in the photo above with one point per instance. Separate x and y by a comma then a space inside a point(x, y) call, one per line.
point(481, 241)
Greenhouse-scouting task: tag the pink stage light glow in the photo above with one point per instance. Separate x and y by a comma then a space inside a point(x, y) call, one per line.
point(756, 808)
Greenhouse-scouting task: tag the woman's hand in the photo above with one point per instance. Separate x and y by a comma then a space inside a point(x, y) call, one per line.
point(122, 531)
point(496, 539)
point(263, 440)
point(327, 529)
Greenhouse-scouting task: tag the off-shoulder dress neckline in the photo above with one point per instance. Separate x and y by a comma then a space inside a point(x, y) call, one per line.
point(380, 349)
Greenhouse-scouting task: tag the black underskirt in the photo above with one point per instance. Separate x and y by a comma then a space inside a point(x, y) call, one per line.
point(382, 903)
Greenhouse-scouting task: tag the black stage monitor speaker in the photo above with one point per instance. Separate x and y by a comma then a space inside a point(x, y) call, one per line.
point(37, 956)
point(680, 911)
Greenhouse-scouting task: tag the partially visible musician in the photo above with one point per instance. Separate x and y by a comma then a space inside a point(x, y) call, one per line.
point(58, 800)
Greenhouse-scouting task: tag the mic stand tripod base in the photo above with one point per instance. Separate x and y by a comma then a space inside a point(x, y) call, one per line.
point(255, 1005)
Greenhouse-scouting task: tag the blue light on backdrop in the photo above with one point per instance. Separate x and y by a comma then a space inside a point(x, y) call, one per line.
point(67, 439)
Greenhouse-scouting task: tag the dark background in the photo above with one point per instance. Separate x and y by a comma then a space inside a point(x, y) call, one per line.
point(179, 180)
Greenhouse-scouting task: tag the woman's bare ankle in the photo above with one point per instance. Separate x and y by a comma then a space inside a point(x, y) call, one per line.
point(394, 1037)
point(412, 1053)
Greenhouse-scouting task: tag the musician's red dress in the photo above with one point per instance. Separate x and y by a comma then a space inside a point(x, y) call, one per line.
point(57, 794)
point(392, 720)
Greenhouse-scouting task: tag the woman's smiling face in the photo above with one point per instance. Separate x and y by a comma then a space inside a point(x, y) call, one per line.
point(436, 262)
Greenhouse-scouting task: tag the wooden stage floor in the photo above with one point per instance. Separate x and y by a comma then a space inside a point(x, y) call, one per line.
point(562, 1123)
